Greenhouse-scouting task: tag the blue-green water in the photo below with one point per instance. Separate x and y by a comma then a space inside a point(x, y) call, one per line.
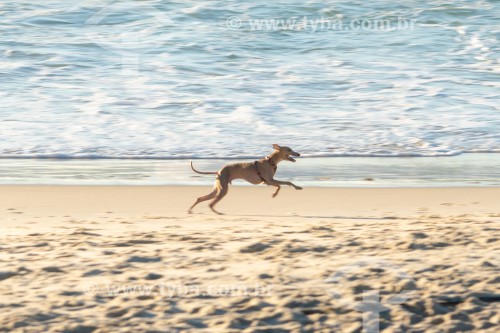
point(170, 79)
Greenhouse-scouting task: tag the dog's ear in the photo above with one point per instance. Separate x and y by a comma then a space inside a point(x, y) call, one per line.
point(277, 147)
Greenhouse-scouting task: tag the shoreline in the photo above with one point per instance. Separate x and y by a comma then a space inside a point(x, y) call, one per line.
point(475, 170)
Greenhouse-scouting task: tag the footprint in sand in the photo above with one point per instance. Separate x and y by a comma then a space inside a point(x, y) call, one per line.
point(139, 259)
point(115, 312)
point(153, 276)
point(256, 247)
point(52, 269)
point(7, 274)
point(94, 272)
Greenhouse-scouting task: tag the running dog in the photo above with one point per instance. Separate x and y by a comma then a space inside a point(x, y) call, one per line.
point(258, 172)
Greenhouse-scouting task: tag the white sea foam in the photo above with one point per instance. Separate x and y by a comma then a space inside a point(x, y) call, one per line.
point(204, 91)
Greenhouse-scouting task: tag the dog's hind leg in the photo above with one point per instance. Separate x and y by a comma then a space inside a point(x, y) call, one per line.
point(220, 195)
point(204, 198)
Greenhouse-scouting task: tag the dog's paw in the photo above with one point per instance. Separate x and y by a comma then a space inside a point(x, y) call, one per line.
point(298, 188)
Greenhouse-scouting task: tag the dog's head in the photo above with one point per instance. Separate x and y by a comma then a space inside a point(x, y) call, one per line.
point(285, 153)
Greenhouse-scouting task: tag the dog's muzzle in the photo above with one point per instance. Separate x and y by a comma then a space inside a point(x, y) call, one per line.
point(290, 158)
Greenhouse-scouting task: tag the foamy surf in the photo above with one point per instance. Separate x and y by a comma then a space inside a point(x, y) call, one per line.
point(68, 91)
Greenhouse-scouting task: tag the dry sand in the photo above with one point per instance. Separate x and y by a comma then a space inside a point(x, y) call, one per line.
point(129, 259)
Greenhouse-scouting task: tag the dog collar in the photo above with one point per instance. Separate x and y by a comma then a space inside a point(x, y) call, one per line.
point(272, 163)
point(256, 166)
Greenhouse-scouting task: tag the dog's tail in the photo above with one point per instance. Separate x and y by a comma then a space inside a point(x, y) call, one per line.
point(202, 173)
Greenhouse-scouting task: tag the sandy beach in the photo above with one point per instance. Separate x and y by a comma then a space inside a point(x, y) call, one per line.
point(129, 259)
point(116, 116)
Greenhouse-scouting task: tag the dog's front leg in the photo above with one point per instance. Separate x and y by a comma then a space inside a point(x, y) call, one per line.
point(277, 191)
point(277, 183)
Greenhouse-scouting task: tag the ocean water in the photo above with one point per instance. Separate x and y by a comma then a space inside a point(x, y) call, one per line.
point(200, 79)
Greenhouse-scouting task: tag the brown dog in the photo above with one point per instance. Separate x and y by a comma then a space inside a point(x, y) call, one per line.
point(258, 172)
